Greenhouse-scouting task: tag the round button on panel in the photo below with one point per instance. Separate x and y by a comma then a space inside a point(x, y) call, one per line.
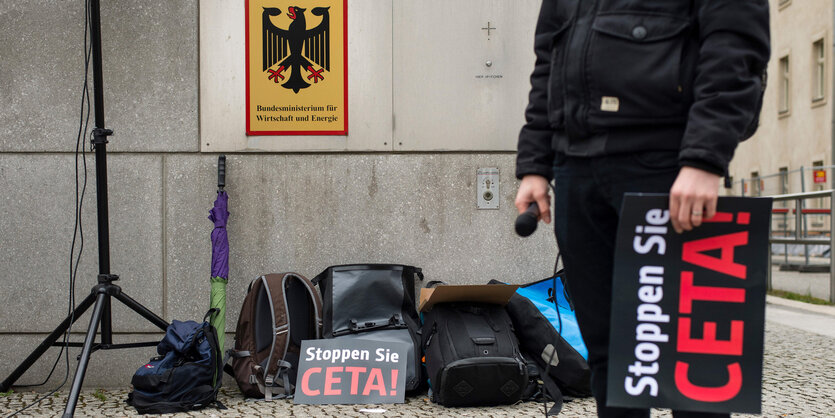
point(639, 32)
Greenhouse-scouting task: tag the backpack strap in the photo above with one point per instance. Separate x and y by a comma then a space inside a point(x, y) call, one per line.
point(210, 334)
point(319, 277)
point(433, 283)
point(230, 353)
point(316, 298)
point(287, 388)
point(210, 314)
point(551, 388)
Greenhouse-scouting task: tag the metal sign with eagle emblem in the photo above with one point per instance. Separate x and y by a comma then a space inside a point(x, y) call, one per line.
point(296, 75)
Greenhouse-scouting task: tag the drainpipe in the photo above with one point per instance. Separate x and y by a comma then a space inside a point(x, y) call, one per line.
point(832, 172)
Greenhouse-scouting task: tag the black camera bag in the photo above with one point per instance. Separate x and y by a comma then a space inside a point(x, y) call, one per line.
point(472, 355)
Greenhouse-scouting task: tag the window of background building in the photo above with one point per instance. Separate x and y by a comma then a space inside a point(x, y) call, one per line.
point(784, 184)
point(784, 180)
point(756, 185)
point(783, 100)
point(819, 71)
point(782, 220)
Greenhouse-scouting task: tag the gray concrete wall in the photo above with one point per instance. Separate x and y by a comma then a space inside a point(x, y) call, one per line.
point(299, 212)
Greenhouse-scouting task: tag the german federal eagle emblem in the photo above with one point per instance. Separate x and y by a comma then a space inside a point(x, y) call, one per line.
point(292, 55)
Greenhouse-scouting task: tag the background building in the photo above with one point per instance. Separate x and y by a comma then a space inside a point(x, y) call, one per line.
point(792, 152)
point(797, 116)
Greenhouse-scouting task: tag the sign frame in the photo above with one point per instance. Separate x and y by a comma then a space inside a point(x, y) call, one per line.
point(343, 132)
point(370, 371)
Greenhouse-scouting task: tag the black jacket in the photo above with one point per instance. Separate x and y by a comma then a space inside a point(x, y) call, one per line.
point(616, 76)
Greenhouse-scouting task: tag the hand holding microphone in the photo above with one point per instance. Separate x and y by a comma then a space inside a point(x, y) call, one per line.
point(533, 203)
point(526, 222)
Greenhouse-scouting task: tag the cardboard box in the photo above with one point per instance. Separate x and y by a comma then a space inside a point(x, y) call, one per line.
point(487, 293)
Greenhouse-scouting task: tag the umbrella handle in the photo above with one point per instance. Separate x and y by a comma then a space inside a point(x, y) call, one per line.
point(221, 172)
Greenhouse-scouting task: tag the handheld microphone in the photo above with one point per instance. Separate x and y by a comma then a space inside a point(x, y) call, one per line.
point(221, 172)
point(526, 222)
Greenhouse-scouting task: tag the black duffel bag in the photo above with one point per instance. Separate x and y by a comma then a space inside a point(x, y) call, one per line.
point(373, 302)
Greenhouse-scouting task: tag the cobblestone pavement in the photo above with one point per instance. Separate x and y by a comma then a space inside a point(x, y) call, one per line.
point(799, 381)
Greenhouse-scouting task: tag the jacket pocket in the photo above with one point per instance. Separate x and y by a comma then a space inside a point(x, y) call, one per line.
point(556, 100)
point(634, 69)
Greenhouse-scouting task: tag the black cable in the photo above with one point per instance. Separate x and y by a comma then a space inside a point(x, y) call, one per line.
point(78, 230)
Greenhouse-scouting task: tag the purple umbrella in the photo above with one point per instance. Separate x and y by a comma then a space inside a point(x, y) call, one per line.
point(220, 254)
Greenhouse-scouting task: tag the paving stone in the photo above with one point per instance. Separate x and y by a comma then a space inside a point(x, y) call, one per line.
point(798, 371)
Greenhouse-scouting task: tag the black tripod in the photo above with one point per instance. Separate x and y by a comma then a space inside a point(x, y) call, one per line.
point(105, 289)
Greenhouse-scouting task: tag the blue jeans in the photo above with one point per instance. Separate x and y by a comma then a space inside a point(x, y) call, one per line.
point(587, 203)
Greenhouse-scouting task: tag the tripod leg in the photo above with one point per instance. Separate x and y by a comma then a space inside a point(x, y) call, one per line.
point(47, 342)
point(141, 310)
point(72, 400)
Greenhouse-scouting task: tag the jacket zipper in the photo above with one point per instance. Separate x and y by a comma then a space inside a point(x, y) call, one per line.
point(586, 98)
point(574, 84)
point(566, 114)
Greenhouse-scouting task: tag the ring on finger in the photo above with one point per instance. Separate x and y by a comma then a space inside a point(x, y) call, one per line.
point(696, 213)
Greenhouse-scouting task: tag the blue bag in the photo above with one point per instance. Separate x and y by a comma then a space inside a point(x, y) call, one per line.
point(185, 376)
point(546, 326)
point(550, 297)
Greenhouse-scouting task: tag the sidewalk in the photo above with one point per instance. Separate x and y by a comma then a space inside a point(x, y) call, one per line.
point(812, 284)
point(799, 381)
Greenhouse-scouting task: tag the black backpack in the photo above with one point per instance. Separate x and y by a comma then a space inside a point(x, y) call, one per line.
point(185, 376)
point(374, 302)
point(472, 355)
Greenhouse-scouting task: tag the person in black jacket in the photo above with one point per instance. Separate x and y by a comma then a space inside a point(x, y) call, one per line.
point(634, 96)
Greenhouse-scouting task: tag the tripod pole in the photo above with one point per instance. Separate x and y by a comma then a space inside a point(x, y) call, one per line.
point(72, 399)
point(100, 134)
point(101, 312)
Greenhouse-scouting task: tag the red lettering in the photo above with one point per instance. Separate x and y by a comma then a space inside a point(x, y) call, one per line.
point(693, 253)
point(355, 378)
point(375, 382)
point(688, 293)
point(306, 381)
point(709, 344)
point(721, 217)
point(330, 380)
point(709, 394)
point(393, 383)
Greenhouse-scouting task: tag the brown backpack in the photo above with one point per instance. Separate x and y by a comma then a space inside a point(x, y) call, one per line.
point(279, 311)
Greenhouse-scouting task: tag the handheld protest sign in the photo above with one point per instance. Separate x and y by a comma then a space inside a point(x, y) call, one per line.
point(351, 371)
point(688, 310)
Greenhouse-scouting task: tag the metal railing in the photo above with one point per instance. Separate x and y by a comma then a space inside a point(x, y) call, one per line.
point(801, 180)
point(801, 232)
